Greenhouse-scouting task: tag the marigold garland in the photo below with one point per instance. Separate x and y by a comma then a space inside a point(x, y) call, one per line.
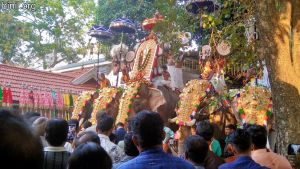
point(126, 101)
point(192, 95)
point(80, 103)
point(106, 96)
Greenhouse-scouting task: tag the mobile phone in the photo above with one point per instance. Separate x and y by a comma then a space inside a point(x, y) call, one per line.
point(294, 149)
point(71, 132)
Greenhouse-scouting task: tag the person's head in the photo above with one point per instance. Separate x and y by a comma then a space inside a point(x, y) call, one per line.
point(87, 124)
point(241, 141)
point(89, 155)
point(205, 130)
point(258, 135)
point(147, 128)
point(39, 126)
point(164, 67)
point(105, 125)
point(129, 147)
point(75, 123)
point(230, 128)
point(102, 76)
point(19, 147)
point(196, 149)
point(120, 124)
point(87, 136)
point(56, 132)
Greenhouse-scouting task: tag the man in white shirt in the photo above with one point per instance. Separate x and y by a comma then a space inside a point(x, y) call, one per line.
point(104, 129)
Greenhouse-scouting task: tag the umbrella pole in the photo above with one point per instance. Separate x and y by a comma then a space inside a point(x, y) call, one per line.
point(119, 60)
point(98, 60)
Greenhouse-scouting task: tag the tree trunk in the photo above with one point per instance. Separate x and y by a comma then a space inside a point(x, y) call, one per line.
point(279, 31)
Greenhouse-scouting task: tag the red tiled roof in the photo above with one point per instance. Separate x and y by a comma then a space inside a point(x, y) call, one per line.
point(77, 72)
point(17, 76)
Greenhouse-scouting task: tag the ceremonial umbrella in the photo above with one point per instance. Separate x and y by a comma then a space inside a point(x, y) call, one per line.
point(101, 34)
point(122, 25)
point(199, 7)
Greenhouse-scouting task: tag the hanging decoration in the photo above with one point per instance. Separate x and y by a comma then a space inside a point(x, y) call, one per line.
point(106, 96)
point(223, 48)
point(254, 105)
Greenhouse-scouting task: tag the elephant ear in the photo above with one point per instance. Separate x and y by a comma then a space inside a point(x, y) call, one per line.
point(156, 99)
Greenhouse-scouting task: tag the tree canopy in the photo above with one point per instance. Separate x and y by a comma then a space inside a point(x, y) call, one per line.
point(51, 33)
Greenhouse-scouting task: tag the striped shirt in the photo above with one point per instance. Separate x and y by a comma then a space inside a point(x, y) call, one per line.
point(55, 158)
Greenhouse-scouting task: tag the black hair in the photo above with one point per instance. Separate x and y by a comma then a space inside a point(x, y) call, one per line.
point(105, 123)
point(120, 124)
point(91, 156)
point(129, 147)
point(56, 132)
point(113, 138)
point(164, 67)
point(147, 127)
point(231, 126)
point(205, 130)
point(19, 147)
point(258, 135)
point(87, 136)
point(87, 124)
point(196, 149)
point(74, 122)
point(241, 140)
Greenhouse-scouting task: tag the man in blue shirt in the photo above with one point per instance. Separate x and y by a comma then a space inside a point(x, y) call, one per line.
point(147, 128)
point(241, 141)
point(120, 132)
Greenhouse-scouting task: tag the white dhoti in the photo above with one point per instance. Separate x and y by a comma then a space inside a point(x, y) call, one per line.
point(176, 77)
point(159, 81)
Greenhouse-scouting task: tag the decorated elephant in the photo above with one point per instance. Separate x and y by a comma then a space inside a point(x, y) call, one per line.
point(107, 101)
point(139, 95)
point(200, 101)
point(83, 106)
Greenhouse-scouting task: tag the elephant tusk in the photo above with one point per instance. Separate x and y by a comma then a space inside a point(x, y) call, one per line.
point(191, 123)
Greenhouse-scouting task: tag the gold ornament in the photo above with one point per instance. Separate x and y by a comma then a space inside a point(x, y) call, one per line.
point(105, 97)
point(80, 103)
point(190, 98)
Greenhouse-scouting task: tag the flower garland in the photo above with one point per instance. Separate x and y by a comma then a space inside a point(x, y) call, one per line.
point(143, 65)
point(190, 99)
point(106, 96)
point(80, 103)
point(254, 105)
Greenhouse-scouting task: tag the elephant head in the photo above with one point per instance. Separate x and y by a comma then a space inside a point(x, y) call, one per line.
point(107, 100)
point(138, 97)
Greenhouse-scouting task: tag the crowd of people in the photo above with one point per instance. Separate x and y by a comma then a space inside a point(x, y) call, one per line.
point(35, 142)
